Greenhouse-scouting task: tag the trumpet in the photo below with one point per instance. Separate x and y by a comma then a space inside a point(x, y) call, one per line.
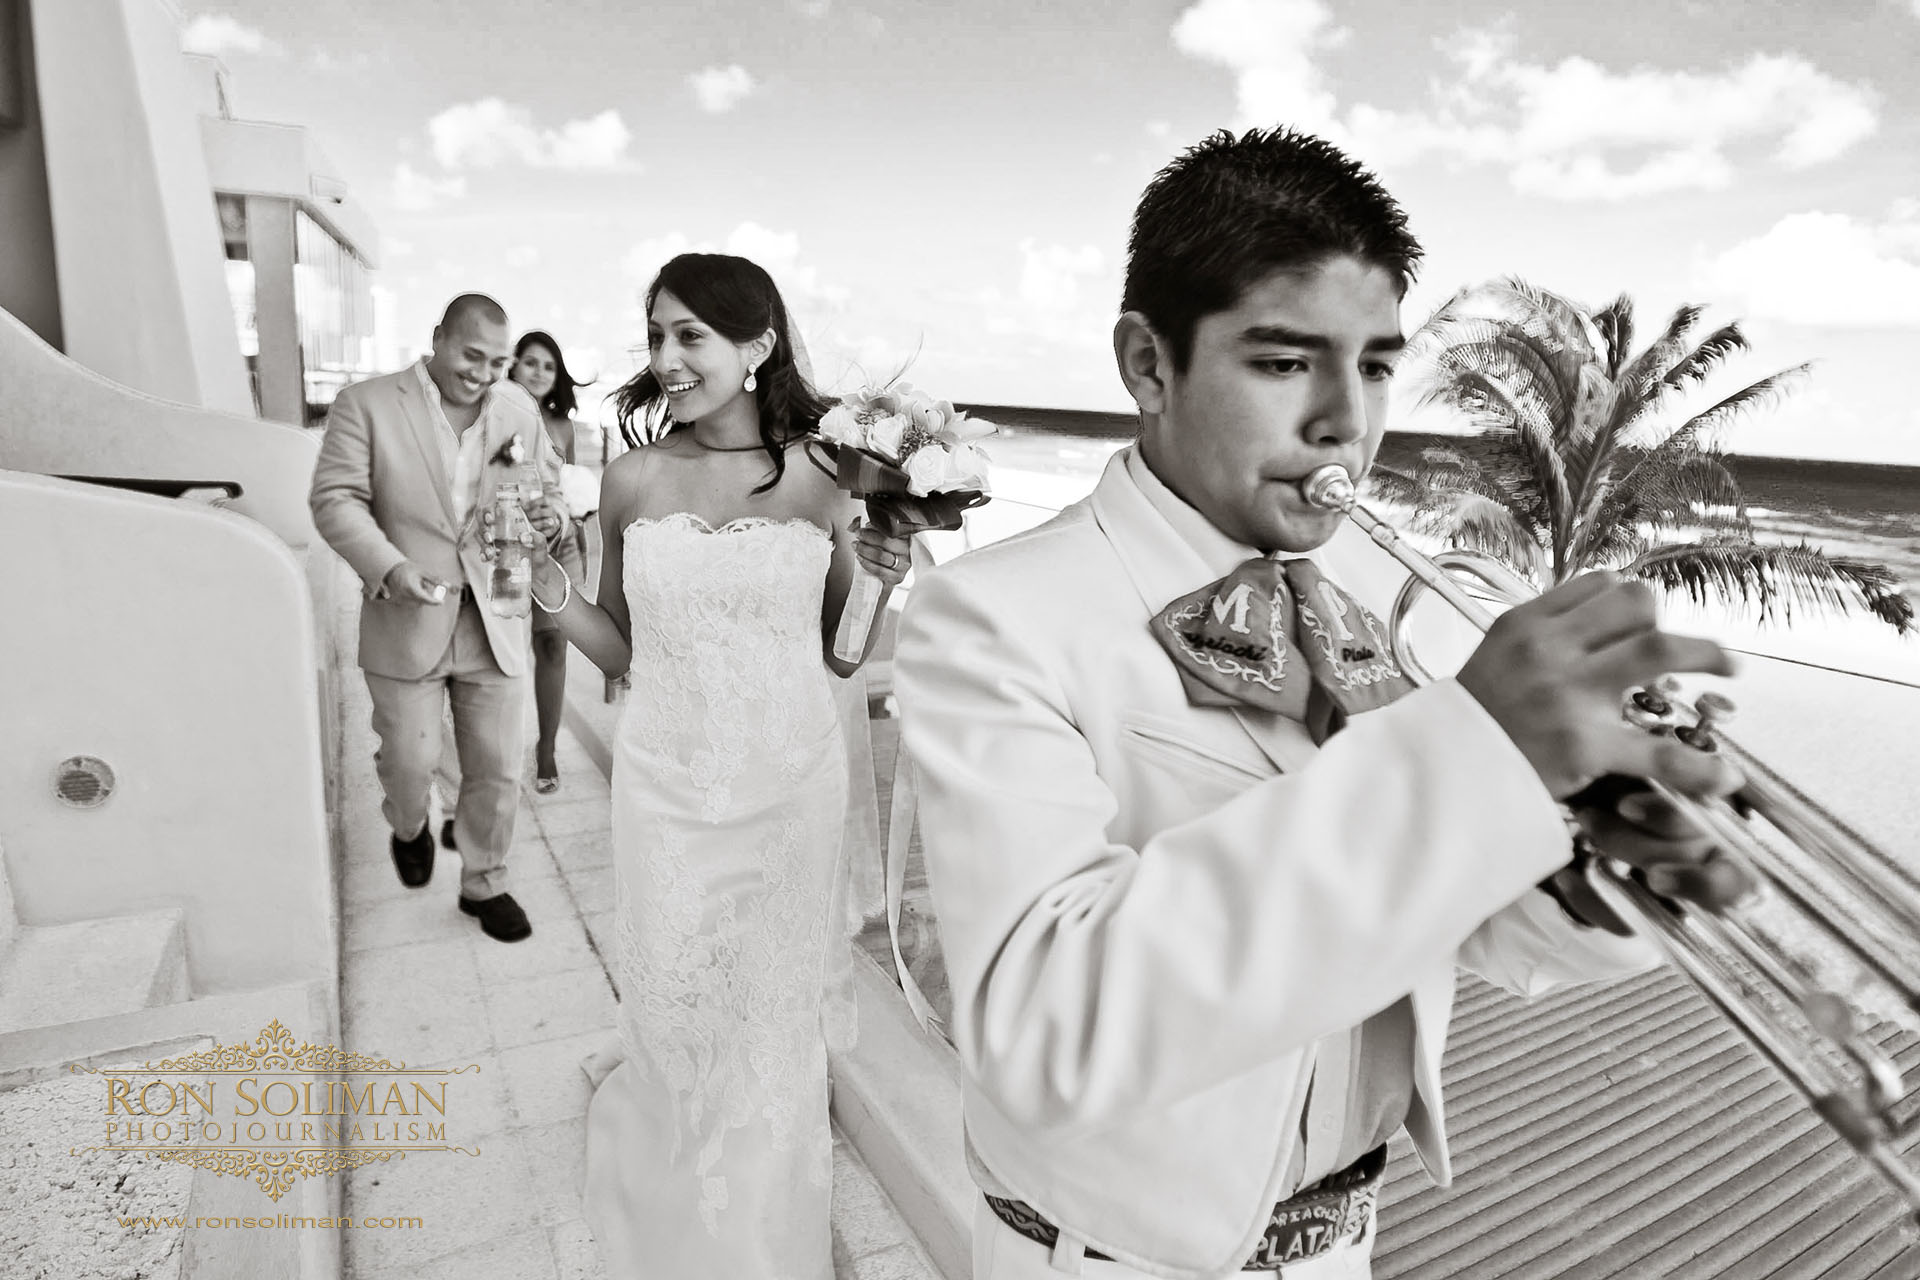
point(1825, 942)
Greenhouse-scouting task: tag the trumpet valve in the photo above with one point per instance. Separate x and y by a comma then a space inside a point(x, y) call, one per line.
point(1648, 709)
point(1711, 708)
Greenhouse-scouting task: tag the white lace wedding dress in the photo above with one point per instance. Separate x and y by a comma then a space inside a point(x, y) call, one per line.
point(708, 1148)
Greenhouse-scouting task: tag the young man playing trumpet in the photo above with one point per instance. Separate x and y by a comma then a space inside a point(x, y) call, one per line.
point(1201, 945)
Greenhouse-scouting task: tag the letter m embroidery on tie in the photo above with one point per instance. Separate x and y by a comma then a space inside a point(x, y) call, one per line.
point(1236, 602)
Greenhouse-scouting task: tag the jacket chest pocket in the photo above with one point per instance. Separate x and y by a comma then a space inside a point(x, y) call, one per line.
point(1170, 744)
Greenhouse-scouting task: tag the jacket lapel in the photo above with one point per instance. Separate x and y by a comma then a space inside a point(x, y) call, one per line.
point(413, 402)
point(1162, 567)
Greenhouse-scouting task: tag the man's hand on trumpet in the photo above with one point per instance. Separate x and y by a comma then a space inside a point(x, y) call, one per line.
point(1633, 824)
point(1552, 672)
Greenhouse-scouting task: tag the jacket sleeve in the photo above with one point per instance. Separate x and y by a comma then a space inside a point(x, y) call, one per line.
point(1532, 946)
point(1091, 978)
point(342, 495)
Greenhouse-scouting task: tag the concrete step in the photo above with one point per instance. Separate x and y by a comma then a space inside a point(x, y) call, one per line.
point(9, 922)
point(65, 1198)
point(54, 974)
point(896, 1098)
point(870, 1240)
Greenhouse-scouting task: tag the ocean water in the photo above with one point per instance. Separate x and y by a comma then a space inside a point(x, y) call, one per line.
point(1046, 458)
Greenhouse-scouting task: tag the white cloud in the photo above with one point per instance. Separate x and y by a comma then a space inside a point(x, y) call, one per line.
point(777, 251)
point(417, 192)
point(721, 88)
point(1580, 131)
point(490, 132)
point(642, 262)
point(521, 256)
point(1159, 129)
point(1825, 269)
point(217, 34)
point(358, 60)
point(595, 143)
point(1064, 296)
point(1270, 45)
point(1051, 275)
point(1574, 130)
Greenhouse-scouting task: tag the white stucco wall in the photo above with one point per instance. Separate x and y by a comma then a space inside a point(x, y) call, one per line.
point(136, 237)
point(213, 731)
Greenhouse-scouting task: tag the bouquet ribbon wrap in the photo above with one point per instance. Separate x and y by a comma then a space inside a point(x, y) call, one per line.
point(896, 511)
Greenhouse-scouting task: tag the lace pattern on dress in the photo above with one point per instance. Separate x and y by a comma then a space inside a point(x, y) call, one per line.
point(722, 989)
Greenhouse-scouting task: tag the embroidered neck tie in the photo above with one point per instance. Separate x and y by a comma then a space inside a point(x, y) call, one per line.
point(1277, 635)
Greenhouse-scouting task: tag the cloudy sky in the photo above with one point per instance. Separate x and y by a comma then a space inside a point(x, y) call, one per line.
point(956, 178)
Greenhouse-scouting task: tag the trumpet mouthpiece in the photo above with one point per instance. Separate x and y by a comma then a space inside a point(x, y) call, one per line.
point(1329, 487)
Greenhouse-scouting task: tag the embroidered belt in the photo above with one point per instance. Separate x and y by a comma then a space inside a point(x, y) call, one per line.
point(1305, 1225)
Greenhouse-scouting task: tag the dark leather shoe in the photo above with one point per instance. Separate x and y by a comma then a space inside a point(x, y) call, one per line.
point(500, 917)
point(446, 835)
point(413, 859)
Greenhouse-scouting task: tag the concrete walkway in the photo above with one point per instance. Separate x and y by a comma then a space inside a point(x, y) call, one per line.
point(421, 984)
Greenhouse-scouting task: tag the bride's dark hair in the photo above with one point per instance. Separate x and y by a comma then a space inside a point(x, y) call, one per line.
point(738, 301)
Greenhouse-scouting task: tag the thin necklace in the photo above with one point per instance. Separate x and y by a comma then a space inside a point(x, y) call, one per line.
point(722, 448)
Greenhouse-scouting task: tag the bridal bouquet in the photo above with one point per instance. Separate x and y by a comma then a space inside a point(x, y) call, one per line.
point(915, 462)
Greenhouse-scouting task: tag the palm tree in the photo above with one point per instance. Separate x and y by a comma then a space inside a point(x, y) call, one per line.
point(1586, 461)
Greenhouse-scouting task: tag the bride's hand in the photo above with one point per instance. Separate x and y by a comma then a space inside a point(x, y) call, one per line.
point(886, 558)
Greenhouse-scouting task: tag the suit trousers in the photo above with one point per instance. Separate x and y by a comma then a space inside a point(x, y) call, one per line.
point(1001, 1253)
point(489, 732)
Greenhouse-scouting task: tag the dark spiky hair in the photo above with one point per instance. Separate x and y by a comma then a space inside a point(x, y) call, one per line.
point(1230, 211)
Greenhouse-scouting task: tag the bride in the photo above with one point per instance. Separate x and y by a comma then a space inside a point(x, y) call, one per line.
point(728, 556)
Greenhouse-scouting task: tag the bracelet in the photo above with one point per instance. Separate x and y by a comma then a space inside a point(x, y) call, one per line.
point(564, 577)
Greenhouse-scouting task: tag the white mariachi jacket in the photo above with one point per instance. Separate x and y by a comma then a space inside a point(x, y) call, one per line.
point(1151, 911)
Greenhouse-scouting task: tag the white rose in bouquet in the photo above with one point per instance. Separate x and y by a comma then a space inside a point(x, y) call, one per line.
point(967, 468)
point(841, 426)
point(884, 436)
point(926, 470)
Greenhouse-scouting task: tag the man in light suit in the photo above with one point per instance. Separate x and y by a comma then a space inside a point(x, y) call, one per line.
point(1201, 946)
point(401, 489)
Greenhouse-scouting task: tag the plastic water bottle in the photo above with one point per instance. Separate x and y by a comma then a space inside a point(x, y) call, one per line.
point(510, 583)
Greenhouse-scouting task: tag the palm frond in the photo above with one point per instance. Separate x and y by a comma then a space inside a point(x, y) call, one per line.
point(1680, 471)
point(1528, 364)
point(1562, 316)
point(1478, 522)
point(1606, 546)
point(1490, 403)
point(1711, 352)
point(1390, 484)
point(1448, 471)
point(1646, 369)
point(1765, 393)
point(1776, 579)
point(1615, 322)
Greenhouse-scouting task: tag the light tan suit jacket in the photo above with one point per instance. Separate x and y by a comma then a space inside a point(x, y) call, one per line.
point(381, 495)
point(1151, 911)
